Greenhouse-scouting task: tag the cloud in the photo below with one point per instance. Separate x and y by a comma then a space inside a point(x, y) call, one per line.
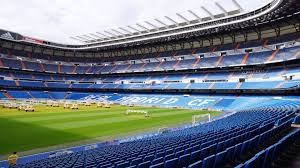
point(57, 20)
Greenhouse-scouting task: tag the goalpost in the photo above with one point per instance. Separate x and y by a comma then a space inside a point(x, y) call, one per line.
point(163, 130)
point(197, 119)
point(137, 111)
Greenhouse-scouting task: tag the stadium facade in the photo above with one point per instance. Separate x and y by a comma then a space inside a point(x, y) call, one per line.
point(246, 62)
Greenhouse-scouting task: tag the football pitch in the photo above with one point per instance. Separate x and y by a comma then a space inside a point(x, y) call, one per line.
point(50, 128)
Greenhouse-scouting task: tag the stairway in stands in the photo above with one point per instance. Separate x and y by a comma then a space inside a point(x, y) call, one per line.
point(8, 96)
point(29, 93)
point(290, 158)
point(1, 63)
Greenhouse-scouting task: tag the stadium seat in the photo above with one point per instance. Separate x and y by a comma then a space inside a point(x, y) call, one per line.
point(172, 163)
point(208, 161)
point(196, 164)
point(220, 159)
point(144, 164)
point(184, 160)
point(158, 165)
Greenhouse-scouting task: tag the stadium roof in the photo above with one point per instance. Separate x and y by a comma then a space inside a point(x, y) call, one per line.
point(58, 21)
point(161, 24)
point(186, 27)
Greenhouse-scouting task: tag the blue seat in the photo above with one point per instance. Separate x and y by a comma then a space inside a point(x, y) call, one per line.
point(159, 154)
point(255, 141)
point(260, 157)
point(187, 150)
point(237, 150)
point(171, 163)
point(148, 157)
point(179, 153)
point(250, 163)
point(269, 155)
point(256, 161)
point(184, 160)
point(278, 149)
point(245, 146)
point(123, 165)
point(220, 147)
point(208, 162)
point(158, 165)
point(157, 160)
point(168, 157)
point(227, 143)
point(230, 153)
point(106, 165)
point(240, 166)
point(180, 148)
point(195, 148)
point(220, 159)
point(204, 153)
point(196, 164)
point(144, 164)
point(212, 148)
point(136, 161)
point(169, 151)
point(195, 156)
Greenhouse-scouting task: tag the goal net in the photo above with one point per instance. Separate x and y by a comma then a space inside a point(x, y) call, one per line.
point(146, 114)
point(202, 118)
point(163, 130)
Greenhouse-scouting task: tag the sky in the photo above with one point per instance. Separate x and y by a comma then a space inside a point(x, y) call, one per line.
point(58, 20)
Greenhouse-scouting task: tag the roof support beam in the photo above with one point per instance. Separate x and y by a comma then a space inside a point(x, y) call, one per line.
point(154, 26)
point(238, 5)
point(194, 14)
point(89, 37)
point(83, 38)
point(222, 8)
point(110, 33)
point(141, 26)
point(77, 39)
point(134, 29)
point(183, 18)
point(125, 30)
point(122, 34)
point(94, 35)
point(103, 35)
point(159, 21)
point(208, 12)
point(170, 19)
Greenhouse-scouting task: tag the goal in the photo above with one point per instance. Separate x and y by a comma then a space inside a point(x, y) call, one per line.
point(164, 130)
point(146, 114)
point(198, 119)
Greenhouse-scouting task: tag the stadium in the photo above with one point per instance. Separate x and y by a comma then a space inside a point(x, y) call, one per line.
point(208, 92)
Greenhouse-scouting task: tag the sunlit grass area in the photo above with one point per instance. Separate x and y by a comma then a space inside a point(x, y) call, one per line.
point(50, 126)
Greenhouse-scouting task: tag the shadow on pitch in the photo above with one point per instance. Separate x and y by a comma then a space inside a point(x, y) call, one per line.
point(19, 136)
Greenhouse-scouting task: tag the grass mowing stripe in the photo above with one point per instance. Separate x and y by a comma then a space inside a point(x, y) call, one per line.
point(100, 121)
point(39, 112)
point(91, 120)
point(116, 122)
point(61, 111)
point(87, 123)
point(67, 115)
point(132, 125)
point(73, 116)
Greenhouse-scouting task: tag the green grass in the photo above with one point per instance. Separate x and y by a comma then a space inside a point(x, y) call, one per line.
point(49, 128)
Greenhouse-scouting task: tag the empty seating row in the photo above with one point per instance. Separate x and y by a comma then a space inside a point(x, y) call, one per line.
point(158, 64)
point(160, 86)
